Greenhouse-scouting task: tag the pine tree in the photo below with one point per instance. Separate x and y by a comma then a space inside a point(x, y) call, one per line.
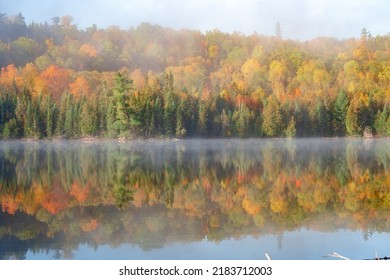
point(37, 124)
point(11, 129)
point(170, 109)
point(226, 124)
point(49, 121)
point(69, 132)
point(272, 118)
point(20, 110)
point(291, 131)
point(158, 115)
point(381, 124)
point(322, 120)
point(351, 120)
point(202, 120)
point(340, 109)
point(102, 106)
point(76, 119)
point(243, 118)
point(112, 130)
point(28, 121)
point(60, 126)
point(148, 125)
point(48, 109)
point(181, 131)
point(70, 118)
point(88, 119)
point(278, 31)
point(120, 98)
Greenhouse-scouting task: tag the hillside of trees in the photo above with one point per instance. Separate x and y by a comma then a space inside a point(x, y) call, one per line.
point(58, 80)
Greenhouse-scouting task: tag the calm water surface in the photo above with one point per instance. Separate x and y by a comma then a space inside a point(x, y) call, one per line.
point(195, 199)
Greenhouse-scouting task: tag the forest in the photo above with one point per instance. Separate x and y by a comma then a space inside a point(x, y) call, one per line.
point(59, 81)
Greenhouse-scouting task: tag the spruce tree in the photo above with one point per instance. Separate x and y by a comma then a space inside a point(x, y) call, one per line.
point(69, 132)
point(351, 120)
point(120, 98)
point(158, 115)
point(181, 131)
point(60, 123)
point(272, 117)
point(112, 130)
point(202, 120)
point(88, 119)
point(322, 120)
point(225, 124)
point(37, 124)
point(49, 121)
point(291, 130)
point(381, 124)
point(170, 113)
point(29, 121)
point(340, 109)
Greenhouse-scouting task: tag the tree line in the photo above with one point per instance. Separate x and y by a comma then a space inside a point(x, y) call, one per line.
point(60, 81)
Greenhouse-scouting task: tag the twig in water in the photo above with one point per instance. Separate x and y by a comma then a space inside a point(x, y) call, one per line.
point(336, 255)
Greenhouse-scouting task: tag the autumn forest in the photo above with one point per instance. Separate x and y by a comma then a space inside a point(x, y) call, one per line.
point(59, 81)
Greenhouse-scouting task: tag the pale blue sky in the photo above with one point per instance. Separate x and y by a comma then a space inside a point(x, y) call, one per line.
point(299, 19)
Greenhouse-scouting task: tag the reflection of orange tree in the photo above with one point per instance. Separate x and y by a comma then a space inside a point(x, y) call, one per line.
point(215, 194)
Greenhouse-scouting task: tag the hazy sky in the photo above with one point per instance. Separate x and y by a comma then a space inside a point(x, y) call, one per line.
point(299, 19)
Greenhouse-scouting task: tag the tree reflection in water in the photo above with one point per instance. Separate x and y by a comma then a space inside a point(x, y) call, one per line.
point(58, 195)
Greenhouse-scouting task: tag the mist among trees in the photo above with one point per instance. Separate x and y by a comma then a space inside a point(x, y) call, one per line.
point(60, 81)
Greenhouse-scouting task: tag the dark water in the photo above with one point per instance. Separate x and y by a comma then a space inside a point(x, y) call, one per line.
point(195, 199)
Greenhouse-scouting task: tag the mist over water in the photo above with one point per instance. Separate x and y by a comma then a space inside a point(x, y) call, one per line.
point(194, 199)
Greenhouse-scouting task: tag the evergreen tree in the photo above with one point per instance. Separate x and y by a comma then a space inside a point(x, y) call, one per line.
point(170, 108)
point(137, 113)
point(242, 117)
point(158, 115)
point(76, 119)
point(29, 122)
point(11, 129)
point(49, 121)
point(48, 111)
point(60, 125)
point(88, 119)
point(340, 109)
point(272, 117)
point(358, 116)
point(382, 122)
point(291, 131)
point(351, 120)
point(112, 129)
point(102, 105)
point(69, 118)
point(37, 124)
point(181, 131)
point(20, 110)
point(120, 98)
point(149, 119)
point(322, 120)
point(202, 128)
point(278, 31)
point(225, 124)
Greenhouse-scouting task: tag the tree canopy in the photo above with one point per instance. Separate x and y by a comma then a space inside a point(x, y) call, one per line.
point(60, 81)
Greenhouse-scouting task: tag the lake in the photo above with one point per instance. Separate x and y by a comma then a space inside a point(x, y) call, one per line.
point(195, 199)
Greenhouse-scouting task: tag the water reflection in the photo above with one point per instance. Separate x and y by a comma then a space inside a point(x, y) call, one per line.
point(58, 196)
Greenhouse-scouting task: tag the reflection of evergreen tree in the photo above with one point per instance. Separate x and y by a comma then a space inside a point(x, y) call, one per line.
point(227, 188)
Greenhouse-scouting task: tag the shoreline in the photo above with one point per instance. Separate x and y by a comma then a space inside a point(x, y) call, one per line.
point(122, 140)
